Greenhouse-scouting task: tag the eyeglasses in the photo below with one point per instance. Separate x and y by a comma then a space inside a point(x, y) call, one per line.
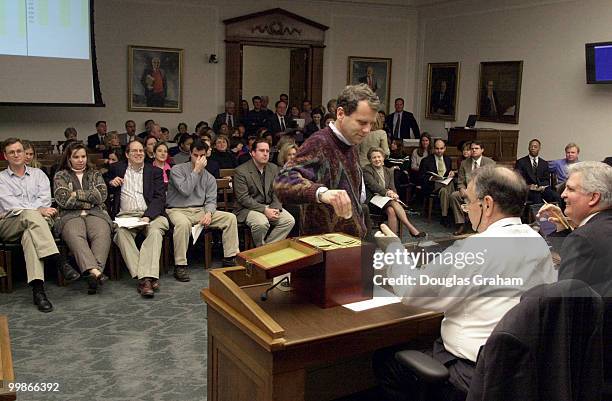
point(465, 207)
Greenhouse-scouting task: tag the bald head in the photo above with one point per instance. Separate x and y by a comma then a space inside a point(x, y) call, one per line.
point(507, 188)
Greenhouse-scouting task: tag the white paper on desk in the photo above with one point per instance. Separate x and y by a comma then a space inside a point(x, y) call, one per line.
point(130, 222)
point(196, 231)
point(381, 297)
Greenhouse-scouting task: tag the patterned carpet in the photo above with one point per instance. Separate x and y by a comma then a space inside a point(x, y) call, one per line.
point(116, 345)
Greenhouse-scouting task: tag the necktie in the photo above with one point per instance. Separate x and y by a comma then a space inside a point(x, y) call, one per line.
point(475, 165)
point(441, 166)
point(396, 129)
point(282, 123)
point(535, 165)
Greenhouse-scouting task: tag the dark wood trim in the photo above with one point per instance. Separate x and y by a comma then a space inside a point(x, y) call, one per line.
point(276, 11)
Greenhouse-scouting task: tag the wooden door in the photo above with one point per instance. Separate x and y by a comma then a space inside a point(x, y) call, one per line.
point(298, 77)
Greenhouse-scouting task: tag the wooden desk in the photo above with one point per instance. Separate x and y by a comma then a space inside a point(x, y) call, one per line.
point(285, 349)
point(499, 144)
point(6, 362)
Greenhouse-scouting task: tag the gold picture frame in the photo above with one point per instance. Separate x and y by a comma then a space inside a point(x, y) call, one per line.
point(374, 71)
point(499, 91)
point(442, 91)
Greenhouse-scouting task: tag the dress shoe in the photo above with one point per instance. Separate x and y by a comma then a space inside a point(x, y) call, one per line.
point(444, 221)
point(40, 300)
point(155, 284)
point(69, 273)
point(228, 262)
point(92, 284)
point(460, 230)
point(145, 289)
point(422, 234)
point(181, 273)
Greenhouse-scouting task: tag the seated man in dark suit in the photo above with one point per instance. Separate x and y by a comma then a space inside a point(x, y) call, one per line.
point(534, 170)
point(280, 122)
point(256, 203)
point(439, 164)
point(585, 251)
point(228, 117)
point(95, 142)
point(139, 191)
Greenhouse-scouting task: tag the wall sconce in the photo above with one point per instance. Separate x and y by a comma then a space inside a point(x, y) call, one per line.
point(213, 59)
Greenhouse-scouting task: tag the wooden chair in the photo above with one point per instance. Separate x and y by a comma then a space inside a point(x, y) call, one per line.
point(226, 172)
point(7, 375)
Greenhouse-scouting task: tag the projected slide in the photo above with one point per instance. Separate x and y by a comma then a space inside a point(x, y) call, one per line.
point(45, 28)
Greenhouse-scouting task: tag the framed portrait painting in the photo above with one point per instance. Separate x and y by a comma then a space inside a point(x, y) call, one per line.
point(155, 79)
point(375, 72)
point(442, 90)
point(499, 91)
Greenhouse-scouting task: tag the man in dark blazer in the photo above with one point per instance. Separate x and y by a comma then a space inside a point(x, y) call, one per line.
point(585, 251)
point(280, 122)
point(400, 123)
point(228, 117)
point(438, 163)
point(139, 192)
point(441, 100)
point(95, 142)
point(489, 104)
point(534, 170)
point(256, 203)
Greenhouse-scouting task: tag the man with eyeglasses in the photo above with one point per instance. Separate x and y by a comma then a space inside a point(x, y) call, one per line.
point(26, 215)
point(475, 304)
point(138, 190)
point(466, 170)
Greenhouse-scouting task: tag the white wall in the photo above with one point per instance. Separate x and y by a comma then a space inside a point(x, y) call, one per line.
point(196, 26)
point(557, 105)
point(267, 73)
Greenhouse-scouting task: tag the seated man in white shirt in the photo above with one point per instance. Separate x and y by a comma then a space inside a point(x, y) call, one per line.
point(472, 304)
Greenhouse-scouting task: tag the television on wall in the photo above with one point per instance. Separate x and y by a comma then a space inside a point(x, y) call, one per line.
point(599, 63)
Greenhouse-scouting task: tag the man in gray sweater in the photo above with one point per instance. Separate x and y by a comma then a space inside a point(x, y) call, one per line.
point(192, 200)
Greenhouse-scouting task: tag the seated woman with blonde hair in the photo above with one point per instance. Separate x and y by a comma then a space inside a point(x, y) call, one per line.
point(379, 181)
point(31, 159)
point(287, 153)
point(83, 222)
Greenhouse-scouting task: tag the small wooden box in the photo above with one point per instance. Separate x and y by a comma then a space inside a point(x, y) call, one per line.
point(327, 269)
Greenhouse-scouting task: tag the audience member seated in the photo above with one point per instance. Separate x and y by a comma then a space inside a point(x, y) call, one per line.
point(162, 161)
point(294, 112)
point(150, 144)
point(83, 224)
point(306, 111)
point(244, 110)
point(467, 168)
point(192, 199)
point(400, 163)
point(228, 117)
point(381, 114)
point(494, 202)
point(112, 142)
point(559, 167)
point(332, 104)
point(256, 118)
point(95, 142)
point(148, 125)
point(536, 173)
point(466, 152)
point(438, 163)
point(165, 137)
point(182, 128)
point(236, 146)
point(315, 125)
point(235, 133)
point(27, 215)
point(265, 100)
point(222, 155)
point(138, 190)
point(287, 153)
point(212, 166)
point(31, 158)
point(130, 133)
point(379, 181)
point(223, 130)
point(256, 203)
point(200, 128)
point(71, 135)
point(181, 153)
point(377, 138)
point(279, 122)
point(418, 154)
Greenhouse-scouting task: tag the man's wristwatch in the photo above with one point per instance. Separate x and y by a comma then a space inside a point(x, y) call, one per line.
point(320, 192)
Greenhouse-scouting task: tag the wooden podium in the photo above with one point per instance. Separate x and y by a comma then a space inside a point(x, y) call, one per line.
point(287, 349)
point(500, 145)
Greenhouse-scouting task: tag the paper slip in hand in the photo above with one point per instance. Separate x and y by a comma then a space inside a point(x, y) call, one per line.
point(196, 231)
point(381, 201)
point(130, 222)
point(438, 178)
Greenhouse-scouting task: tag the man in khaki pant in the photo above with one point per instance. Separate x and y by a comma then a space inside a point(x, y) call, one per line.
point(26, 214)
point(191, 200)
point(138, 190)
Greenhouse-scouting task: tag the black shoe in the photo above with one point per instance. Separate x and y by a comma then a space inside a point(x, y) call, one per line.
point(445, 221)
point(181, 273)
point(40, 300)
point(92, 284)
point(422, 234)
point(68, 272)
point(228, 262)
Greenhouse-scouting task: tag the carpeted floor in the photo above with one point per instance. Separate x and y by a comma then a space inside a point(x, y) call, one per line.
point(116, 345)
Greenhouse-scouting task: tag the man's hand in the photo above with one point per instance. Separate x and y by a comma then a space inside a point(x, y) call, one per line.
point(553, 214)
point(47, 211)
point(145, 219)
point(116, 182)
point(463, 193)
point(101, 147)
point(339, 200)
point(206, 220)
point(451, 174)
point(385, 237)
point(272, 214)
point(200, 164)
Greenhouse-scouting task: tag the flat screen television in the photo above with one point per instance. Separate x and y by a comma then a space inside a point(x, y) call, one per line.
point(599, 63)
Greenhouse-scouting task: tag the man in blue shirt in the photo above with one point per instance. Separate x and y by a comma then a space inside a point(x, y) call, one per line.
point(26, 214)
point(559, 167)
